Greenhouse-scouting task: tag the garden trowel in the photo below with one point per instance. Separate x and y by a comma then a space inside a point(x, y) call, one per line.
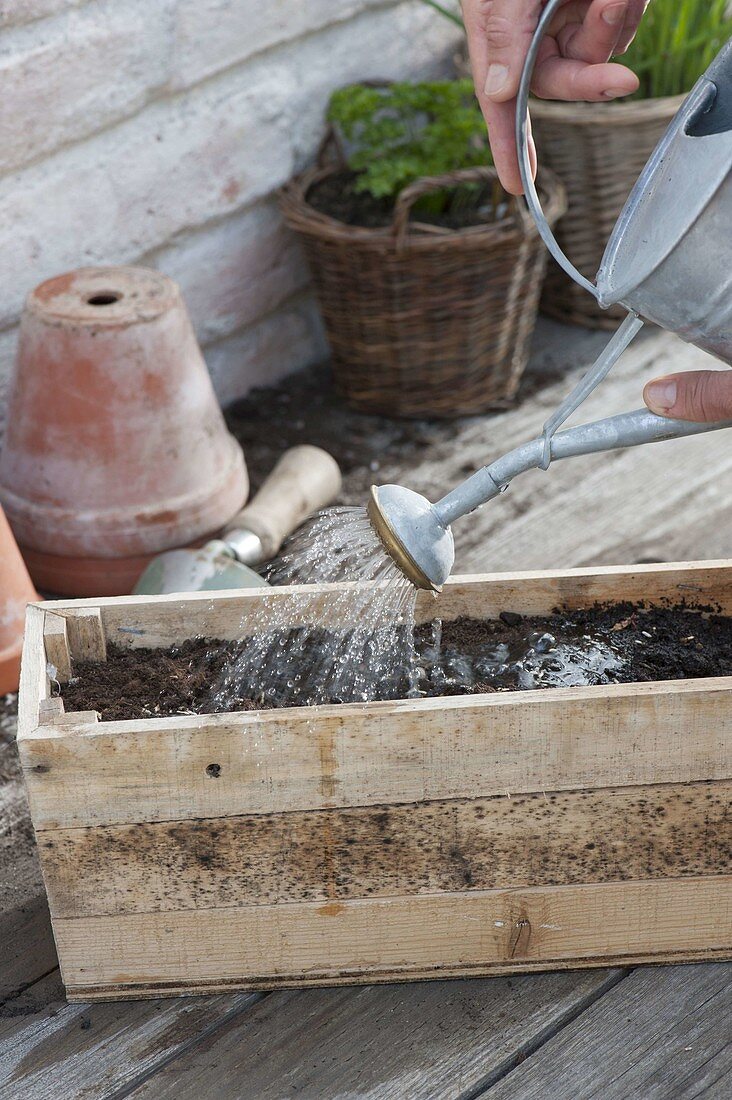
point(304, 480)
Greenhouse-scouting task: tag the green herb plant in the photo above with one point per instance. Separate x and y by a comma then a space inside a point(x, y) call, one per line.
point(399, 133)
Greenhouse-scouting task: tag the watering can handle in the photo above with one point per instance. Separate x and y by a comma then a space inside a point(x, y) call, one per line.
point(522, 146)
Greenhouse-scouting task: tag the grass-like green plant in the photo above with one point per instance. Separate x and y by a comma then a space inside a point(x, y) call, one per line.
point(401, 132)
point(675, 42)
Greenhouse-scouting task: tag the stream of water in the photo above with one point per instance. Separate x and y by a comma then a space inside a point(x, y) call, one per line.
point(356, 643)
point(367, 657)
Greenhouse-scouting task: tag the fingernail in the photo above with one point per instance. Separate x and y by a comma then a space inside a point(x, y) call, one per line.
point(614, 93)
point(614, 14)
point(661, 395)
point(496, 78)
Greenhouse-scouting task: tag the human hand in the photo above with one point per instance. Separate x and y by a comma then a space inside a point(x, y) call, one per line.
point(701, 395)
point(571, 63)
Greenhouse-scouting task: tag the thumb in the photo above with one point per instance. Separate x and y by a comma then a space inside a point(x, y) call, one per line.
point(701, 395)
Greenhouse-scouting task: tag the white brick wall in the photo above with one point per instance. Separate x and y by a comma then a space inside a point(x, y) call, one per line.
point(156, 131)
point(15, 12)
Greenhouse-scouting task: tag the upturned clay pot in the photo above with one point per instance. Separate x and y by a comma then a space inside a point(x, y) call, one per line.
point(16, 590)
point(116, 447)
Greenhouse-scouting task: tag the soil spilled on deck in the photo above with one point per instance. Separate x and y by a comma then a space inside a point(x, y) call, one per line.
point(623, 643)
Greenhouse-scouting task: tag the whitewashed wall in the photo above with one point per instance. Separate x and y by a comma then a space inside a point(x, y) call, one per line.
point(156, 131)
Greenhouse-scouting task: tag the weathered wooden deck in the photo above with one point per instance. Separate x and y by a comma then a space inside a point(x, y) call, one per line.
point(646, 1033)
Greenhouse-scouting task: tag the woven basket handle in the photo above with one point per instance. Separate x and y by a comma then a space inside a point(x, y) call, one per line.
point(331, 144)
point(410, 194)
point(522, 146)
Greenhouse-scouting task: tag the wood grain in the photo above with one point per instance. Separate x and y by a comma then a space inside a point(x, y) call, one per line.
point(408, 751)
point(652, 832)
point(660, 1034)
point(167, 620)
point(57, 646)
point(386, 939)
point(433, 1040)
point(53, 1049)
point(86, 635)
point(34, 682)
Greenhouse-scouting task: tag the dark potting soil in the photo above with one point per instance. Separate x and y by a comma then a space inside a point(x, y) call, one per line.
point(337, 197)
point(623, 643)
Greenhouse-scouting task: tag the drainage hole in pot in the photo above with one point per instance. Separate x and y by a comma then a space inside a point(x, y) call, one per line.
point(213, 770)
point(108, 298)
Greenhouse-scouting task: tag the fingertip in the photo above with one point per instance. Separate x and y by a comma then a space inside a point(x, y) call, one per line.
point(510, 178)
point(509, 173)
point(632, 80)
point(620, 76)
point(598, 82)
point(660, 395)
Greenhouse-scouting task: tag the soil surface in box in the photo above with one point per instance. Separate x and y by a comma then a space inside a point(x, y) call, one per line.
point(619, 644)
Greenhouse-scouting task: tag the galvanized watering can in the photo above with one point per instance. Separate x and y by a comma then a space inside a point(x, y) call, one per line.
point(669, 260)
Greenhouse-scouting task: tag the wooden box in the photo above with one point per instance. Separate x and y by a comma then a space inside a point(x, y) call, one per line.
point(379, 842)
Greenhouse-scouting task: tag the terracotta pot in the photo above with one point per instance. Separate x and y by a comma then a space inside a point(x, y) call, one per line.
point(16, 590)
point(116, 447)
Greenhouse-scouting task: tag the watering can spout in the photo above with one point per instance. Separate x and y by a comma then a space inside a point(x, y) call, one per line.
point(417, 534)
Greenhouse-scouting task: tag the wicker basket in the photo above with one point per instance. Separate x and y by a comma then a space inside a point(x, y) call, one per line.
point(598, 150)
point(426, 321)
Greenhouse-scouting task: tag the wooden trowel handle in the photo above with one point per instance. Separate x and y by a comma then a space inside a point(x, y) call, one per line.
point(304, 480)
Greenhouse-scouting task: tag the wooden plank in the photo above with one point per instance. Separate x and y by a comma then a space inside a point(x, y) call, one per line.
point(34, 682)
point(481, 932)
point(168, 620)
point(668, 831)
point(28, 951)
point(659, 1034)
point(86, 635)
point(468, 746)
point(49, 1048)
point(74, 719)
point(436, 1039)
point(50, 710)
point(26, 943)
point(57, 647)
